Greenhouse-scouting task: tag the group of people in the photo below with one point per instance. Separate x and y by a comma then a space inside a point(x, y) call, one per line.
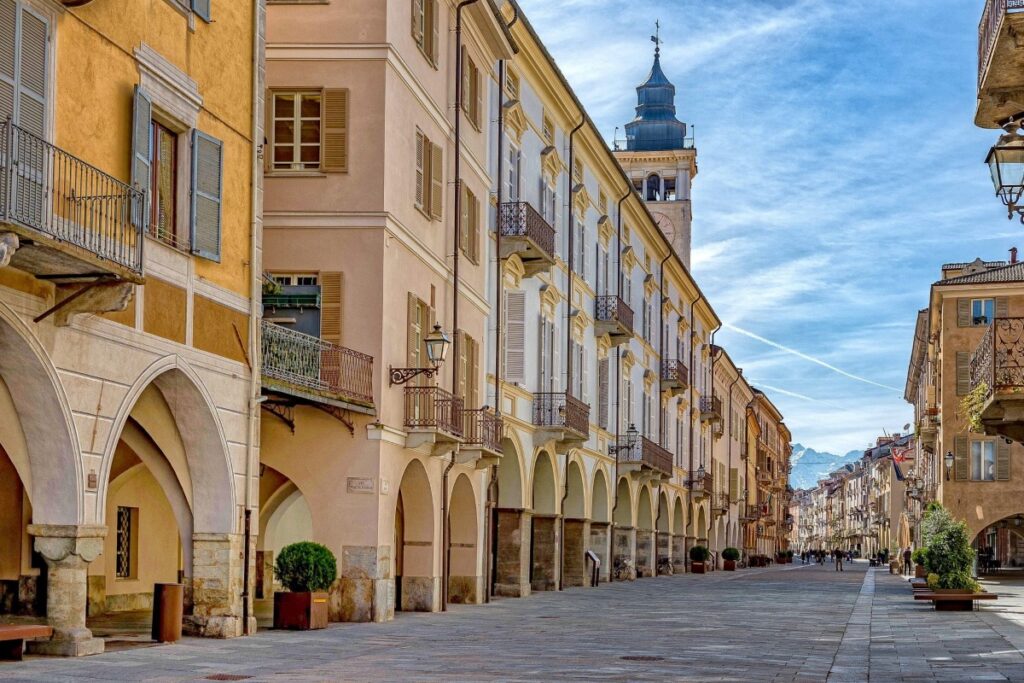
point(819, 556)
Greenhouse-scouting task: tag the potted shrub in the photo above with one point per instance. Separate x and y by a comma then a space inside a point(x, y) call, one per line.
point(698, 559)
point(918, 558)
point(730, 555)
point(949, 559)
point(789, 557)
point(307, 570)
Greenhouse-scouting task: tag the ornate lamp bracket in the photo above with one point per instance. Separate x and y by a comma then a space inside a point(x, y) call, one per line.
point(403, 375)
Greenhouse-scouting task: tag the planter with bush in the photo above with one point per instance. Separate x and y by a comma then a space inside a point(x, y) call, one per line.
point(307, 570)
point(730, 555)
point(699, 556)
point(948, 559)
point(918, 558)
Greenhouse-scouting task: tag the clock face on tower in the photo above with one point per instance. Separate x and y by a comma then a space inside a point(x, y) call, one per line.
point(666, 226)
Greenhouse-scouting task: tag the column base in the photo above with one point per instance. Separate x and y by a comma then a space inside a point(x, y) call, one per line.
point(76, 643)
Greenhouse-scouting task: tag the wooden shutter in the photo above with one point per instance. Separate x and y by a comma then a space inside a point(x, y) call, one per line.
point(436, 181)
point(142, 115)
point(32, 87)
point(963, 373)
point(202, 9)
point(330, 307)
point(734, 484)
point(417, 21)
point(584, 375)
point(463, 361)
point(474, 371)
point(8, 33)
point(556, 359)
point(515, 337)
point(602, 395)
point(961, 458)
point(474, 228)
point(1002, 460)
point(421, 170)
point(415, 331)
point(334, 152)
point(963, 312)
point(543, 355)
point(1002, 307)
point(478, 97)
point(207, 185)
point(435, 20)
point(463, 218)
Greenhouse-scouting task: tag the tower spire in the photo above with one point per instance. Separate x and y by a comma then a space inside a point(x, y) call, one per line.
point(656, 38)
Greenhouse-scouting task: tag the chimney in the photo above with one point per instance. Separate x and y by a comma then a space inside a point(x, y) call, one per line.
point(1013, 254)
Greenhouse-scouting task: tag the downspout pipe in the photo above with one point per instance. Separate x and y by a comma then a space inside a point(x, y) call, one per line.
point(739, 373)
point(618, 391)
point(693, 307)
point(661, 338)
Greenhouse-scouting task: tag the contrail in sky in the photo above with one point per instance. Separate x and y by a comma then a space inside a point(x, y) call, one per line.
point(812, 359)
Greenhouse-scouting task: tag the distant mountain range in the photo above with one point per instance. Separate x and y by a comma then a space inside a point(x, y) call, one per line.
point(810, 466)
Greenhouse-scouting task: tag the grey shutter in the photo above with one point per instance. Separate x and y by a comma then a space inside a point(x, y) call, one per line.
point(421, 170)
point(1002, 307)
point(963, 312)
point(8, 33)
point(202, 9)
point(32, 88)
point(142, 115)
point(1002, 460)
point(207, 187)
point(963, 373)
point(961, 458)
point(515, 337)
point(602, 397)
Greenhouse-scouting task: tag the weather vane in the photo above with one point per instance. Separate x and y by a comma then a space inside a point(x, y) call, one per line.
point(656, 38)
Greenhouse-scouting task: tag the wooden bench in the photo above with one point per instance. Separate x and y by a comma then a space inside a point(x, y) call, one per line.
point(13, 636)
point(954, 602)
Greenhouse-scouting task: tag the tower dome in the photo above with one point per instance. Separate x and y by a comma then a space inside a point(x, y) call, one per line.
point(655, 127)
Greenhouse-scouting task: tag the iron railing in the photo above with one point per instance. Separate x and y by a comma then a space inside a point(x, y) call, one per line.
point(675, 371)
point(520, 219)
point(316, 365)
point(644, 452)
point(998, 362)
point(611, 308)
point(700, 485)
point(433, 408)
point(989, 27)
point(561, 410)
point(711, 407)
point(482, 428)
point(721, 502)
point(45, 189)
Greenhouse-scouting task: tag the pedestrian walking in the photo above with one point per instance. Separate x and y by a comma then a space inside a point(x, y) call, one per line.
point(907, 554)
point(839, 559)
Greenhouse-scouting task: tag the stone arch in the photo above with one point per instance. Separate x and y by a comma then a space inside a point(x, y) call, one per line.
point(415, 556)
point(623, 514)
point(662, 520)
point(207, 475)
point(463, 573)
point(644, 510)
point(652, 188)
point(576, 501)
point(42, 442)
point(599, 497)
point(702, 523)
point(544, 498)
point(510, 475)
point(678, 523)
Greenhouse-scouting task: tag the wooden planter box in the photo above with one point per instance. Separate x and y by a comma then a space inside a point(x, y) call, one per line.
point(729, 565)
point(696, 567)
point(919, 572)
point(300, 611)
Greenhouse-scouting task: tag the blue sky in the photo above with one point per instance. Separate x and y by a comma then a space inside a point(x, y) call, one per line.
point(839, 168)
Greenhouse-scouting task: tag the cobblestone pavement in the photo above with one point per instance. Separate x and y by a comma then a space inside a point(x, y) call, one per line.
point(789, 623)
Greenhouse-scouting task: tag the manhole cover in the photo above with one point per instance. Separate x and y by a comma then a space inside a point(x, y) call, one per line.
point(226, 677)
point(643, 658)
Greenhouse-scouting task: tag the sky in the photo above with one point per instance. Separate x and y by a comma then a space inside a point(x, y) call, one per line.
point(839, 168)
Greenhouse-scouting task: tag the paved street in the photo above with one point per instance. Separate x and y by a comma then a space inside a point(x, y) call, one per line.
point(791, 623)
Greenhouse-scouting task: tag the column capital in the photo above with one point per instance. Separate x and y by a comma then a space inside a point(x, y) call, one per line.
point(58, 542)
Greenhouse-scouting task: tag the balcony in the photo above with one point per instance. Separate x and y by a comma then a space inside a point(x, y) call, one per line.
point(1000, 62)
point(720, 504)
point(646, 459)
point(67, 222)
point(997, 375)
point(675, 377)
point(710, 409)
point(613, 317)
point(433, 416)
point(298, 367)
point(525, 233)
point(700, 486)
point(562, 417)
point(482, 438)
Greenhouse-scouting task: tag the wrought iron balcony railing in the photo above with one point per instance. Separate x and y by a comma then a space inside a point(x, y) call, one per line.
point(53, 195)
point(433, 408)
point(675, 374)
point(710, 408)
point(561, 410)
point(521, 220)
point(700, 485)
point(645, 452)
point(989, 27)
point(313, 365)
point(611, 309)
point(998, 362)
point(482, 429)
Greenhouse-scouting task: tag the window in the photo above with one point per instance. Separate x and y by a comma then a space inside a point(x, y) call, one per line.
point(654, 188)
point(163, 147)
point(424, 28)
point(420, 320)
point(982, 311)
point(469, 226)
point(429, 177)
point(548, 131)
point(308, 131)
point(23, 67)
point(511, 84)
point(577, 171)
point(602, 202)
point(514, 174)
point(291, 279)
point(983, 460)
point(472, 95)
point(127, 537)
point(469, 364)
point(548, 203)
point(670, 189)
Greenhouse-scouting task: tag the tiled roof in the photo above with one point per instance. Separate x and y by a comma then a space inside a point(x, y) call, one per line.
point(961, 266)
point(1013, 272)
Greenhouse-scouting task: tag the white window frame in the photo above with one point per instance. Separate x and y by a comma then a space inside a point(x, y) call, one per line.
point(983, 451)
point(985, 303)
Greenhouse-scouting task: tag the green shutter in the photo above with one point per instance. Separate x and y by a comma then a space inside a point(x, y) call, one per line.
point(207, 188)
point(202, 9)
point(963, 312)
point(142, 115)
point(963, 373)
point(961, 458)
point(1002, 460)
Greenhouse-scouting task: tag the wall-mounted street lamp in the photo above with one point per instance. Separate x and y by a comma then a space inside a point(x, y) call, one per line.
point(947, 460)
point(1006, 164)
point(437, 343)
point(632, 436)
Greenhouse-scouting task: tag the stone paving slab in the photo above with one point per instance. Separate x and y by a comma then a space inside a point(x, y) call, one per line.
point(789, 623)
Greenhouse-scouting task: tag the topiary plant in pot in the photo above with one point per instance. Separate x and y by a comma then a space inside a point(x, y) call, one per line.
point(307, 570)
point(918, 557)
point(698, 559)
point(730, 555)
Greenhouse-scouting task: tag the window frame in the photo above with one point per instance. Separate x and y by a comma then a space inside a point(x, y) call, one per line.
point(985, 303)
point(986, 455)
point(296, 143)
point(130, 537)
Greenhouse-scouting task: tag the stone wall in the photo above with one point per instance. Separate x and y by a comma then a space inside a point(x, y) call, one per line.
point(512, 569)
point(544, 573)
point(574, 562)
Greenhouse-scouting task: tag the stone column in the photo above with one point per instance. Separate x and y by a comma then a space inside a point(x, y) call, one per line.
point(624, 553)
point(575, 568)
point(365, 589)
point(544, 574)
point(512, 568)
point(217, 586)
point(68, 550)
point(600, 545)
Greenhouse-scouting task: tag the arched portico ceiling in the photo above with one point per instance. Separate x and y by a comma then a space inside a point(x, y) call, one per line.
point(663, 521)
point(623, 515)
point(644, 511)
point(576, 501)
point(678, 523)
point(545, 500)
point(510, 475)
point(599, 497)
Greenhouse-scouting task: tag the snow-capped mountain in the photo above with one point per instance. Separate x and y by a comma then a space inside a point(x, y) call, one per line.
point(810, 465)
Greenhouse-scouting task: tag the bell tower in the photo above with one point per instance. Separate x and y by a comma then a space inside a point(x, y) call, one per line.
point(659, 155)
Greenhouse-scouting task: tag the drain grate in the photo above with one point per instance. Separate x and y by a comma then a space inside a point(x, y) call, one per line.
point(642, 658)
point(226, 677)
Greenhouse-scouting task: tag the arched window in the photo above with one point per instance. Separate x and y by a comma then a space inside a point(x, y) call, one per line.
point(654, 188)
